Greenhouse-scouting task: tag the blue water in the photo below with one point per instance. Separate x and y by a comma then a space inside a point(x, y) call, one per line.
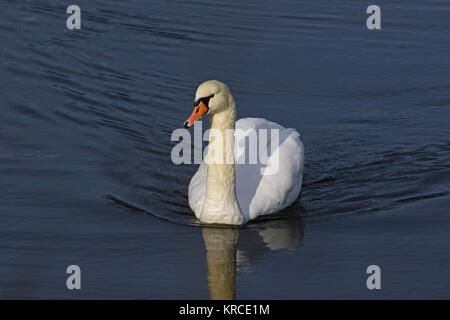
point(86, 176)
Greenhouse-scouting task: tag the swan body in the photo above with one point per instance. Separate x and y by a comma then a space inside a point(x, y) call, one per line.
point(235, 192)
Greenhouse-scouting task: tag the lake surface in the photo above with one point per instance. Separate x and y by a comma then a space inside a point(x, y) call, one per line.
point(87, 179)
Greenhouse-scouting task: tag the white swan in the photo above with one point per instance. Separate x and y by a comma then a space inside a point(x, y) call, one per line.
point(229, 192)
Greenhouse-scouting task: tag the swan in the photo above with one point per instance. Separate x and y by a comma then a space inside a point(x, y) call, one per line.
point(230, 191)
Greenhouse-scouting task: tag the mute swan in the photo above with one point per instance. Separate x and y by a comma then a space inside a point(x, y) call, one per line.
point(229, 192)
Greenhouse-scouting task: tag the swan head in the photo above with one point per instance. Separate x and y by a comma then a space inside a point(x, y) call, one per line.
point(212, 97)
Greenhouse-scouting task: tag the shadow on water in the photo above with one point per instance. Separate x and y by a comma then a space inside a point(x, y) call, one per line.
point(229, 248)
point(221, 246)
point(234, 248)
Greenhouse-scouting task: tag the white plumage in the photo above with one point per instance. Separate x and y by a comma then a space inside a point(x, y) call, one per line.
point(256, 194)
point(259, 194)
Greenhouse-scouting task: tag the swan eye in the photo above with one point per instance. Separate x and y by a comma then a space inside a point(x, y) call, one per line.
point(205, 100)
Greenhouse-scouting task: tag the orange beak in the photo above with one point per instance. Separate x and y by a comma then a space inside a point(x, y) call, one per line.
point(199, 111)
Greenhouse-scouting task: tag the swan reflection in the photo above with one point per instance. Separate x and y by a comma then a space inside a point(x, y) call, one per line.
point(228, 248)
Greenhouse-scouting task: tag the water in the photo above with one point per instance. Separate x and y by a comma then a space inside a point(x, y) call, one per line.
point(86, 118)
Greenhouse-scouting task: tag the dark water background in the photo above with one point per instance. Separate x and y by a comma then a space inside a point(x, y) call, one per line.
point(85, 124)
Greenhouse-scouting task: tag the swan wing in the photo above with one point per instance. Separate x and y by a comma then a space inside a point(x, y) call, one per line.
point(258, 193)
point(261, 191)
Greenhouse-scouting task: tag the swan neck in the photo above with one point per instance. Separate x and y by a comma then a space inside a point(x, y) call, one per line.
point(221, 202)
point(221, 175)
